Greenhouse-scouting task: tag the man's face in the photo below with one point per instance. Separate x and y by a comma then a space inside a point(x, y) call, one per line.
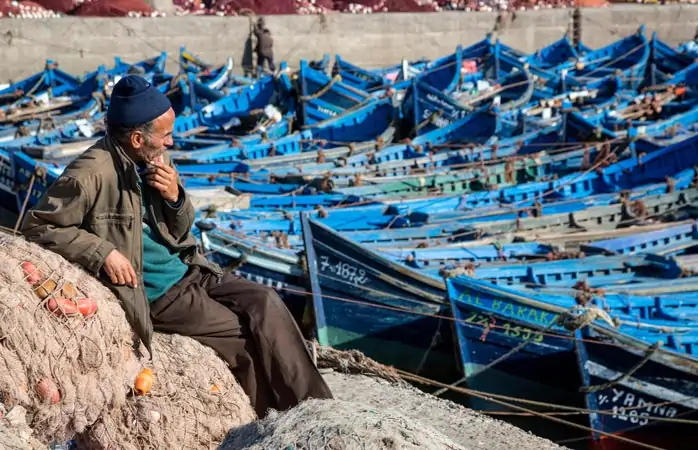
point(151, 145)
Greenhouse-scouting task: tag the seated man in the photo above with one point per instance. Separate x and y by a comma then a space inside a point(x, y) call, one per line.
point(120, 211)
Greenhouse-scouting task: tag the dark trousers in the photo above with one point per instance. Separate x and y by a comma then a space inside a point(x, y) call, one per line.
point(251, 329)
point(260, 63)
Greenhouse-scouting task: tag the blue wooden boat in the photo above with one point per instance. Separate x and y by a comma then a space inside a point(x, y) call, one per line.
point(217, 78)
point(239, 102)
point(557, 53)
point(521, 343)
point(361, 125)
point(8, 199)
point(348, 281)
point(665, 62)
point(445, 74)
point(322, 97)
point(641, 386)
point(382, 78)
point(672, 240)
point(48, 82)
point(629, 55)
point(322, 65)
point(360, 301)
point(430, 108)
point(152, 69)
point(499, 222)
point(356, 76)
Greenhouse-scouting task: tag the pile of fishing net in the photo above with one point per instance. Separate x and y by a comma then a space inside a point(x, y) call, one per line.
point(25, 10)
point(314, 6)
point(336, 424)
point(232, 7)
point(113, 8)
point(377, 6)
point(67, 358)
point(193, 403)
point(60, 6)
point(270, 7)
point(15, 433)
point(41, 9)
point(140, 8)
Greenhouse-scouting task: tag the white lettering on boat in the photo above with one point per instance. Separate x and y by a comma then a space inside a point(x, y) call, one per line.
point(343, 270)
point(629, 407)
point(329, 112)
point(35, 192)
point(439, 121)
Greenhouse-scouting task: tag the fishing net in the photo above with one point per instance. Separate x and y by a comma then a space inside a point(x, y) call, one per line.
point(256, 6)
point(339, 425)
point(377, 6)
point(27, 9)
point(193, 403)
point(190, 6)
point(113, 8)
point(61, 6)
point(314, 6)
point(64, 370)
point(73, 369)
point(15, 433)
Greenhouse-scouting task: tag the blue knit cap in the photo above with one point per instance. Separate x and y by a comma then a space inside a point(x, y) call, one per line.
point(134, 101)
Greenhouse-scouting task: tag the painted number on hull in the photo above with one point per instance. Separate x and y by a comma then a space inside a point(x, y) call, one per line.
point(629, 407)
point(343, 270)
point(507, 328)
point(440, 122)
point(329, 112)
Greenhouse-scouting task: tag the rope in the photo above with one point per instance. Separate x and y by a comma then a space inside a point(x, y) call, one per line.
point(648, 355)
point(575, 410)
point(322, 91)
point(498, 90)
point(625, 430)
point(493, 398)
point(561, 318)
point(441, 316)
point(25, 203)
point(434, 340)
point(31, 91)
point(613, 61)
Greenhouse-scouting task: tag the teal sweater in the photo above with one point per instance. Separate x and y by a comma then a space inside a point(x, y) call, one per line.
point(162, 268)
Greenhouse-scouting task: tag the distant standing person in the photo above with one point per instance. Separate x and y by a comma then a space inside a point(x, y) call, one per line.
point(265, 46)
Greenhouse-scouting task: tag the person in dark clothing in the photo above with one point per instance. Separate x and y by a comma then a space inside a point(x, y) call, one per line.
point(265, 46)
point(120, 211)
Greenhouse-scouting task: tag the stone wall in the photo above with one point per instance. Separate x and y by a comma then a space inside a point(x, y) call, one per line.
point(80, 44)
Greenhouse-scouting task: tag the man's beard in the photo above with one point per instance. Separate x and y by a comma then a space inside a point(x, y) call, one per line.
point(149, 153)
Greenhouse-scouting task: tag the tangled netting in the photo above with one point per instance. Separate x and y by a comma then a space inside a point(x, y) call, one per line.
point(336, 425)
point(65, 371)
point(75, 373)
point(194, 401)
point(15, 433)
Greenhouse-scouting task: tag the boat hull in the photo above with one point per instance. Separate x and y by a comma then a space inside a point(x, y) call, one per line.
point(507, 348)
point(640, 405)
point(367, 304)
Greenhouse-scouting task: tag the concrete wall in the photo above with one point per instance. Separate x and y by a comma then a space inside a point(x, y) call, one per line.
point(79, 45)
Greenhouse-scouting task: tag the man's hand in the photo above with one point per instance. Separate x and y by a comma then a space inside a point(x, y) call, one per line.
point(120, 269)
point(163, 178)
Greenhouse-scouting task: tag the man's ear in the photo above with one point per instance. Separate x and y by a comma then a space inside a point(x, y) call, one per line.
point(137, 139)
